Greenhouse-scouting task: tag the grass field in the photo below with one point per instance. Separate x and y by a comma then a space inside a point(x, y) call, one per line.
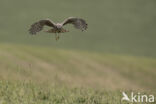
point(67, 76)
point(117, 53)
point(30, 93)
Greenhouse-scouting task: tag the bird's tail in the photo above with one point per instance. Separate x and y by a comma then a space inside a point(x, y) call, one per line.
point(51, 31)
point(63, 30)
point(56, 31)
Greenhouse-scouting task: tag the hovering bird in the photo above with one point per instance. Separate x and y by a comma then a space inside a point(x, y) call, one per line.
point(78, 23)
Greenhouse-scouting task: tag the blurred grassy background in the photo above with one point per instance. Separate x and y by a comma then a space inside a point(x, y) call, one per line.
point(117, 52)
point(77, 68)
point(123, 26)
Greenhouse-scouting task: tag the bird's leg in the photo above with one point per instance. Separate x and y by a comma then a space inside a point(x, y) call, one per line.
point(56, 36)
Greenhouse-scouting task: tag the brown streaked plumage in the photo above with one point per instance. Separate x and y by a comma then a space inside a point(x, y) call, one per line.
point(57, 27)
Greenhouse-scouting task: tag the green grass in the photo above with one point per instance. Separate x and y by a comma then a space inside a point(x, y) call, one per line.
point(36, 75)
point(30, 93)
point(87, 69)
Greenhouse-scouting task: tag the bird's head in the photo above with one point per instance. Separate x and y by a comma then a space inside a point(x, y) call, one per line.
point(58, 25)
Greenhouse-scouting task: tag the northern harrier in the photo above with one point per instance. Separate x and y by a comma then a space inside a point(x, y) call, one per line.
point(58, 27)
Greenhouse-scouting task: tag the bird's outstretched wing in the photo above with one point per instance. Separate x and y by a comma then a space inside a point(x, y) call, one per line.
point(77, 22)
point(38, 26)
